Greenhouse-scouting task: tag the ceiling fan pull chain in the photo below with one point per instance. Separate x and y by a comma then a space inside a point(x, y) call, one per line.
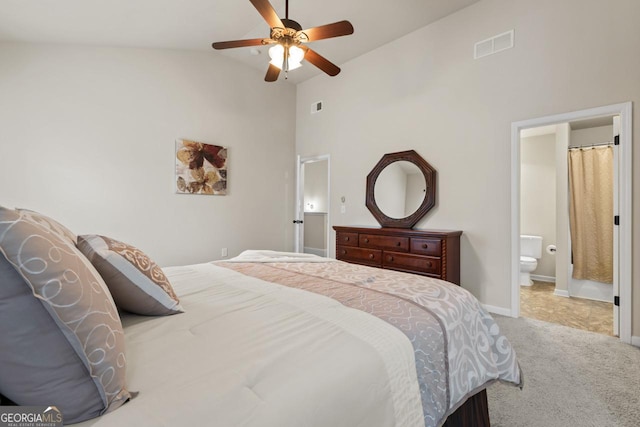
point(285, 62)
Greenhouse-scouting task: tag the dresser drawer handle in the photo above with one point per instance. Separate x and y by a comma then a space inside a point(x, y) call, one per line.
point(346, 239)
point(344, 252)
point(425, 246)
point(429, 264)
point(371, 256)
point(366, 240)
point(390, 258)
point(398, 243)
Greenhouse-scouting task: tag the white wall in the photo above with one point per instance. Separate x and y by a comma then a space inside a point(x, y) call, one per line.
point(590, 136)
point(315, 233)
point(316, 179)
point(563, 255)
point(87, 136)
point(426, 92)
point(538, 195)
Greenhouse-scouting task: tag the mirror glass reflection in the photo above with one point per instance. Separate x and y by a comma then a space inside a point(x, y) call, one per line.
point(400, 189)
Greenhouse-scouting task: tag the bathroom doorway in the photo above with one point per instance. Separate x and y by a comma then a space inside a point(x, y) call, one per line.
point(312, 206)
point(540, 177)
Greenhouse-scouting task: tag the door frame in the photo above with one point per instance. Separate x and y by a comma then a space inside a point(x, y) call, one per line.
point(299, 208)
point(625, 111)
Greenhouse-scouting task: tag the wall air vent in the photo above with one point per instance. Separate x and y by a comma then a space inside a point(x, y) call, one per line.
point(493, 44)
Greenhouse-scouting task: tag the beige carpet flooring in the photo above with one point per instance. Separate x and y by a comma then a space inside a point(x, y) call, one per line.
point(572, 378)
point(539, 302)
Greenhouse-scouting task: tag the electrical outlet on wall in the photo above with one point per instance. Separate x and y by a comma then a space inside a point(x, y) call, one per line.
point(224, 252)
point(316, 107)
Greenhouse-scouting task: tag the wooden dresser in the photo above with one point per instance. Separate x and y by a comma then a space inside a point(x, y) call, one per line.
point(427, 252)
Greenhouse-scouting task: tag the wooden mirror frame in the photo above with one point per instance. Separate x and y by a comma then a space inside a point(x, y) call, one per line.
point(429, 198)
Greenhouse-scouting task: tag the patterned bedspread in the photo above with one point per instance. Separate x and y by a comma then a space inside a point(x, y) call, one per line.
point(458, 347)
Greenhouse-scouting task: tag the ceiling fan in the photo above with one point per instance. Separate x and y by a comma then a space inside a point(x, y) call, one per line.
point(288, 38)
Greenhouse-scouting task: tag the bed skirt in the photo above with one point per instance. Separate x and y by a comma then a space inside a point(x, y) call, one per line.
point(473, 413)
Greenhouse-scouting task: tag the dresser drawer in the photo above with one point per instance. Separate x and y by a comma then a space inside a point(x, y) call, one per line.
point(433, 253)
point(395, 243)
point(359, 255)
point(414, 263)
point(348, 239)
point(431, 247)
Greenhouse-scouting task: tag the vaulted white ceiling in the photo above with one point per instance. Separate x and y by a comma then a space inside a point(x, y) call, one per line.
point(195, 24)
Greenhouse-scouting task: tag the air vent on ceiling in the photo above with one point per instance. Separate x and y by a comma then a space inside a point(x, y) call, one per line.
point(493, 44)
point(316, 107)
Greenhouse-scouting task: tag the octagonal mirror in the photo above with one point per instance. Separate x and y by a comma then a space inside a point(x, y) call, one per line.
point(401, 189)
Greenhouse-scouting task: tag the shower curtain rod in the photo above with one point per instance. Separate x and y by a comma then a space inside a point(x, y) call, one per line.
point(602, 144)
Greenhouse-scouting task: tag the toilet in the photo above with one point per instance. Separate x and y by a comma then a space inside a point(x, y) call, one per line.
point(530, 253)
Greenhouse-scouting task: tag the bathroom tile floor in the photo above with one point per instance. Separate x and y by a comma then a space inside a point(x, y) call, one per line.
point(539, 302)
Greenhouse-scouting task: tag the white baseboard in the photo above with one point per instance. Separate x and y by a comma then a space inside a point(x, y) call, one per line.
point(498, 310)
point(561, 293)
point(548, 279)
point(635, 341)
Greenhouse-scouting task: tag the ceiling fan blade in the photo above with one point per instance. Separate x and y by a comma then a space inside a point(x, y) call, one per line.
point(321, 62)
point(240, 43)
point(272, 73)
point(268, 13)
point(337, 29)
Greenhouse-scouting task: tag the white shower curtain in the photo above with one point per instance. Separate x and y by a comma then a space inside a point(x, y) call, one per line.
point(591, 212)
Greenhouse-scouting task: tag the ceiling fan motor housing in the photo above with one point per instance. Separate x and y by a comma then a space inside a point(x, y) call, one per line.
point(290, 23)
point(290, 35)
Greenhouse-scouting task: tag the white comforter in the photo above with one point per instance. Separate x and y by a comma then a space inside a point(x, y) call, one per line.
point(251, 353)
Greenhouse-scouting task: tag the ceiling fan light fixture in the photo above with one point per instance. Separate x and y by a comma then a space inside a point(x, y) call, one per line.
point(289, 42)
point(295, 56)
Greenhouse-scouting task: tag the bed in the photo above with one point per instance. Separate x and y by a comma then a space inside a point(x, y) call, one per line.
point(276, 339)
point(266, 339)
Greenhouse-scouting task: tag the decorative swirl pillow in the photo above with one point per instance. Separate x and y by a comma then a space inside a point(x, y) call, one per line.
point(51, 224)
point(61, 338)
point(136, 283)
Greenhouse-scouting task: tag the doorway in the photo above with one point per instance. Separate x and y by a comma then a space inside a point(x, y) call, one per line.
point(622, 209)
point(312, 223)
point(582, 298)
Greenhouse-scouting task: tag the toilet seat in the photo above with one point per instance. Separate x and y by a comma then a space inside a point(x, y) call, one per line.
point(528, 260)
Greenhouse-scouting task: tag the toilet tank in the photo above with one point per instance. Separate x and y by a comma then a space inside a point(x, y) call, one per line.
point(531, 246)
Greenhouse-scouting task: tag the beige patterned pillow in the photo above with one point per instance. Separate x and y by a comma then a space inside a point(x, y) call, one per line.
point(81, 364)
point(137, 284)
point(50, 224)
